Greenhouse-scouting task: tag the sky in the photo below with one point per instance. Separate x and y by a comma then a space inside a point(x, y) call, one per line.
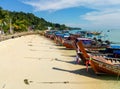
point(87, 14)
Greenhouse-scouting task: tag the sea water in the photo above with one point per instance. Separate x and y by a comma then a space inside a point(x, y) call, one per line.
point(112, 35)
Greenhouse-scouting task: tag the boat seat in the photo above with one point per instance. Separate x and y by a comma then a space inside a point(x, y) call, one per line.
point(99, 54)
point(113, 60)
point(102, 59)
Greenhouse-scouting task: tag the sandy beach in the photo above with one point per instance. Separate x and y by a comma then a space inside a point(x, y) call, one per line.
point(35, 62)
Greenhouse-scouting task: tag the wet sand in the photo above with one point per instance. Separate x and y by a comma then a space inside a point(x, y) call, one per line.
point(35, 62)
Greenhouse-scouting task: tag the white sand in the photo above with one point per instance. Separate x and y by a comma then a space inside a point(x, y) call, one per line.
point(43, 65)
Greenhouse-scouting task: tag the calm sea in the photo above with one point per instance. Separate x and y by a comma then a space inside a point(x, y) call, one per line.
point(112, 35)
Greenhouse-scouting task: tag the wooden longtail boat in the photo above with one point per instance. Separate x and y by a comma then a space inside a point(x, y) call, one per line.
point(79, 45)
point(85, 44)
point(58, 40)
point(81, 52)
point(50, 34)
point(115, 50)
point(68, 42)
point(100, 64)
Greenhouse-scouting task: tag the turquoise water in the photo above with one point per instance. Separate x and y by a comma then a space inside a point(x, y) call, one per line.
point(112, 35)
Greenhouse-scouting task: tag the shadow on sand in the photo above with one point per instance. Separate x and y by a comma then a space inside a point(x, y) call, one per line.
point(71, 62)
point(70, 56)
point(89, 73)
point(64, 48)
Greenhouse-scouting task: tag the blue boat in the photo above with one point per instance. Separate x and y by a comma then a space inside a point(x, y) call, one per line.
point(114, 49)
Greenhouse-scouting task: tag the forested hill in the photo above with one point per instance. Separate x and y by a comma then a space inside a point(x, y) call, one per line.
point(21, 21)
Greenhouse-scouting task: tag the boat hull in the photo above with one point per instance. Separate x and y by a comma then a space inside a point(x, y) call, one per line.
point(101, 67)
point(68, 44)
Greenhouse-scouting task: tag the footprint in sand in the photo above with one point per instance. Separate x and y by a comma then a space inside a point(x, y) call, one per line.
point(4, 86)
point(27, 82)
point(30, 45)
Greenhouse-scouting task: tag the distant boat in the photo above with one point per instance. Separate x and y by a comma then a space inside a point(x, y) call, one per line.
point(108, 30)
point(96, 33)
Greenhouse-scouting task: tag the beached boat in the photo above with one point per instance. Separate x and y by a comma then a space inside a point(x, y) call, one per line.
point(81, 52)
point(68, 41)
point(100, 63)
point(105, 65)
point(91, 46)
point(58, 39)
point(74, 34)
point(114, 49)
point(50, 34)
point(60, 36)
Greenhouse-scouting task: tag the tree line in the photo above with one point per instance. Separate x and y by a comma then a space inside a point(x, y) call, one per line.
point(21, 21)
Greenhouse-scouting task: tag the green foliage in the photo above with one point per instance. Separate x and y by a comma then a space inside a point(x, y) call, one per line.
point(21, 21)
